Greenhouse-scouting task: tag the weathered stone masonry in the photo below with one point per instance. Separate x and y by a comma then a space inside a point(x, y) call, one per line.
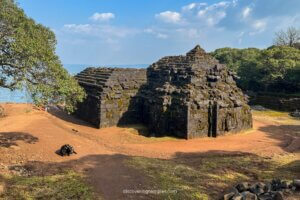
point(112, 97)
point(186, 96)
point(194, 96)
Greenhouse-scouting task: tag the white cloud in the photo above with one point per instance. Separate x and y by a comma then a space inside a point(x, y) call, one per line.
point(169, 17)
point(211, 18)
point(162, 36)
point(102, 16)
point(79, 28)
point(193, 6)
point(214, 13)
point(246, 12)
point(241, 34)
point(212, 25)
point(101, 31)
point(149, 30)
point(221, 4)
point(157, 34)
point(234, 3)
point(190, 33)
point(189, 7)
point(259, 25)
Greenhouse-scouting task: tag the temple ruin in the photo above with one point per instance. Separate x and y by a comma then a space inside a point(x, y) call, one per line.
point(185, 96)
point(112, 96)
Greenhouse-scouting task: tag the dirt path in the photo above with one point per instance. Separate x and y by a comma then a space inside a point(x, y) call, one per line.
point(32, 136)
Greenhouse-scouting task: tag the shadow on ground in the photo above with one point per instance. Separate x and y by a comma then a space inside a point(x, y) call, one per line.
point(68, 118)
point(191, 175)
point(8, 139)
point(288, 135)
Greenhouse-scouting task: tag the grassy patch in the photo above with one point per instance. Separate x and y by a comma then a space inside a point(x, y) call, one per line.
point(138, 129)
point(68, 185)
point(275, 116)
point(271, 113)
point(205, 176)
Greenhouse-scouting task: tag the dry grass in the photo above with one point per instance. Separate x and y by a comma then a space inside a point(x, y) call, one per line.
point(275, 116)
point(207, 176)
point(68, 185)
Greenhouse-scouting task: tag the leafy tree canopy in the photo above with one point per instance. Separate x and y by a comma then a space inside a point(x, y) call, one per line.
point(28, 59)
point(276, 69)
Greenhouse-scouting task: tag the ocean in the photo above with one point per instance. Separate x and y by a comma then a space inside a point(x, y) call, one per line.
point(18, 96)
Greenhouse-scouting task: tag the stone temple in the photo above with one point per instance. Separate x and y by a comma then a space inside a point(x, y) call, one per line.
point(184, 96)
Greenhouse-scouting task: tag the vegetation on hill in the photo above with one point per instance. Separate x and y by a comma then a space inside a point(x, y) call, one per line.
point(275, 69)
point(28, 60)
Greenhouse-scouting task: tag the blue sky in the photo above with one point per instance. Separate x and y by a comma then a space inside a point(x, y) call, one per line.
point(100, 32)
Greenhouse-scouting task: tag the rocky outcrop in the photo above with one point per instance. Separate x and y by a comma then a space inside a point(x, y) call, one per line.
point(194, 96)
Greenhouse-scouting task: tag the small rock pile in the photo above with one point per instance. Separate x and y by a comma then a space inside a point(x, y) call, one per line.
point(276, 190)
point(296, 113)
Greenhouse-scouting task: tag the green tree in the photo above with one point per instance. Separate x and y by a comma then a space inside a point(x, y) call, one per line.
point(276, 63)
point(244, 62)
point(28, 60)
point(229, 56)
point(275, 69)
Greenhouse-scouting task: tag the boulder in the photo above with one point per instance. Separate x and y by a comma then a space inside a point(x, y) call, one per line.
point(248, 196)
point(229, 196)
point(241, 187)
point(279, 196)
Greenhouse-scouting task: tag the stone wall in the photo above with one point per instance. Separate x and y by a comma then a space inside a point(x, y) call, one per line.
point(276, 102)
point(112, 95)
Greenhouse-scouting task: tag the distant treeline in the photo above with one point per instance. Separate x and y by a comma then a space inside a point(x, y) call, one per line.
point(275, 69)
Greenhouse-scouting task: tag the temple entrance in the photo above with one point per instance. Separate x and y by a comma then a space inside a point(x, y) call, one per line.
point(213, 120)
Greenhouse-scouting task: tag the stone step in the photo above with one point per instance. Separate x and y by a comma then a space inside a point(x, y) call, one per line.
point(102, 76)
point(92, 80)
point(104, 80)
point(87, 73)
point(103, 73)
point(93, 84)
point(87, 81)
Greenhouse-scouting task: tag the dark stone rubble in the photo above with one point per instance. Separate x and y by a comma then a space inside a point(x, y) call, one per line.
point(275, 190)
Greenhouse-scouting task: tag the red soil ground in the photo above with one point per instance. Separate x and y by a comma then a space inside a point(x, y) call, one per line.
point(28, 135)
